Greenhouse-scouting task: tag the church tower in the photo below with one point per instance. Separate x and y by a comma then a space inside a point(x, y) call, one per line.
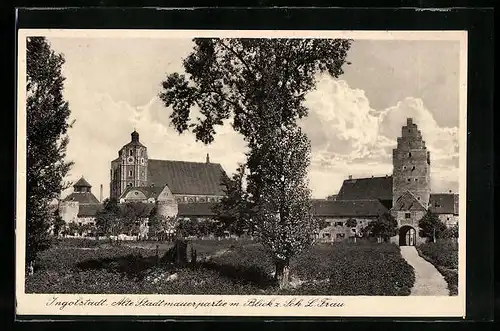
point(411, 162)
point(130, 169)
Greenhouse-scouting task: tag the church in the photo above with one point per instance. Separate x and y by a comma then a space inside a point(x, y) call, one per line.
point(406, 195)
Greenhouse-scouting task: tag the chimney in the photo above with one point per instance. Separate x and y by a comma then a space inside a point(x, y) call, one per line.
point(350, 176)
point(100, 194)
point(208, 158)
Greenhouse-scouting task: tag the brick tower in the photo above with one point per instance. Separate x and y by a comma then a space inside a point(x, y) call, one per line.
point(411, 162)
point(130, 169)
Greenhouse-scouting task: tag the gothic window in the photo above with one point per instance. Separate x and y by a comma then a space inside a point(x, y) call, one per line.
point(407, 215)
point(131, 152)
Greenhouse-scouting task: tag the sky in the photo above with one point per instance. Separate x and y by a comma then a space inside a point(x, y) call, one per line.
point(112, 87)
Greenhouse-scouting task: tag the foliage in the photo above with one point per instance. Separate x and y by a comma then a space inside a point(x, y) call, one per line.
point(199, 228)
point(442, 252)
point(261, 84)
point(431, 227)
point(385, 227)
point(233, 211)
point(108, 220)
point(132, 215)
point(47, 116)
point(451, 232)
point(58, 224)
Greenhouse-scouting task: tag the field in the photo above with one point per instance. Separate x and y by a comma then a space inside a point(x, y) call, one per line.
point(223, 267)
point(443, 254)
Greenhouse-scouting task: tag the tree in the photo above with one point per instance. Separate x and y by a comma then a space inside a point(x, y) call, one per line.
point(159, 224)
point(431, 226)
point(58, 225)
point(261, 85)
point(108, 220)
point(47, 115)
point(132, 215)
point(233, 212)
point(384, 227)
point(451, 232)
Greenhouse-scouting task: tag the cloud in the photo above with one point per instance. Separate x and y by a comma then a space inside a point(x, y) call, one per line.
point(349, 137)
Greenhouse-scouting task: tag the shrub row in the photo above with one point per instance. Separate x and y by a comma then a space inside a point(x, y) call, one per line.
point(443, 252)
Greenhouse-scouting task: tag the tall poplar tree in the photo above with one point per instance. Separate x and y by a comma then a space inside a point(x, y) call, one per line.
point(47, 115)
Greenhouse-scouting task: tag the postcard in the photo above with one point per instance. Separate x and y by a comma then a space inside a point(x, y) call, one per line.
point(241, 173)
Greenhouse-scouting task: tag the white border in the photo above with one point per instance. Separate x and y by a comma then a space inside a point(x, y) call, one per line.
point(354, 306)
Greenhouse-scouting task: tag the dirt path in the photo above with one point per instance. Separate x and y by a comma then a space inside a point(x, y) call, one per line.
point(428, 280)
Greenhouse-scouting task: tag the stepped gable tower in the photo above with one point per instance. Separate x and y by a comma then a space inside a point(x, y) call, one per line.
point(411, 162)
point(130, 169)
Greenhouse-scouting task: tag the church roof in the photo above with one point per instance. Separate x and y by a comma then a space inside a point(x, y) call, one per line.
point(82, 197)
point(89, 209)
point(82, 183)
point(187, 177)
point(366, 189)
point(148, 191)
point(197, 209)
point(348, 208)
point(444, 203)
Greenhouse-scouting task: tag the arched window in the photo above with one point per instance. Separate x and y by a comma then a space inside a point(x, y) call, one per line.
point(131, 152)
point(409, 154)
point(130, 173)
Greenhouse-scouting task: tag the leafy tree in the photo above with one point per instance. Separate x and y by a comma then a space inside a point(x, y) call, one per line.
point(132, 215)
point(384, 227)
point(431, 226)
point(261, 85)
point(58, 225)
point(108, 220)
point(451, 232)
point(233, 212)
point(47, 115)
point(160, 224)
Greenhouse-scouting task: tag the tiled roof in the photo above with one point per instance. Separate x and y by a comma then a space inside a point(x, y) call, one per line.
point(89, 209)
point(82, 197)
point(408, 202)
point(82, 183)
point(148, 191)
point(348, 208)
point(444, 203)
point(366, 189)
point(197, 209)
point(187, 177)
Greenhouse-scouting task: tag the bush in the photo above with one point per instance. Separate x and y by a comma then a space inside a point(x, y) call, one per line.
point(443, 252)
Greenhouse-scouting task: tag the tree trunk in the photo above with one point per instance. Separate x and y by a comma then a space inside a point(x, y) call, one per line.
point(282, 275)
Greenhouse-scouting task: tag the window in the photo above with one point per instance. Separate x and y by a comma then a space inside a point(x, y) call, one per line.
point(447, 218)
point(409, 154)
point(407, 215)
point(418, 198)
point(326, 235)
point(339, 223)
point(412, 168)
point(409, 179)
point(130, 173)
point(416, 179)
point(340, 235)
point(131, 153)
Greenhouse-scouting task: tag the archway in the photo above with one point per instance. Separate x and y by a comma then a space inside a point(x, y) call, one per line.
point(407, 236)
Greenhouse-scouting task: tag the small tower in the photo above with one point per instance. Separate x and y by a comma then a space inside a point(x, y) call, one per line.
point(130, 169)
point(411, 162)
point(82, 186)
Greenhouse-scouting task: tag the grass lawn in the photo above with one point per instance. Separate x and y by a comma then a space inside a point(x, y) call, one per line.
point(443, 254)
point(224, 267)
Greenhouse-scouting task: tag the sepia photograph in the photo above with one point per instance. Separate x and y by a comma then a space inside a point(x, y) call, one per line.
point(317, 167)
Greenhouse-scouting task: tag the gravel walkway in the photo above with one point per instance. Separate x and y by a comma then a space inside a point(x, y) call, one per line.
point(428, 280)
